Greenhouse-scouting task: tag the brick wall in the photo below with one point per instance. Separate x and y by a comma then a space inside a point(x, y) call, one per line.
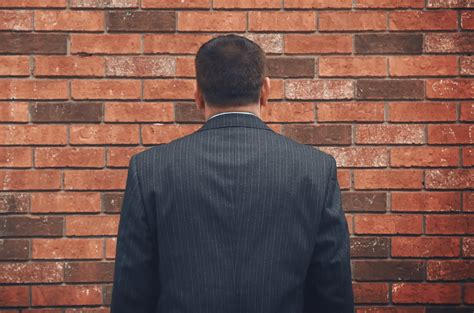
point(383, 85)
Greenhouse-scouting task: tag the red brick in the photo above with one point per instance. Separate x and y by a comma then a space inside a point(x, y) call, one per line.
point(352, 20)
point(168, 89)
point(318, 44)
point(102, 4)
point(370, 292)
point(24, 273)
point(105, 43)
point(94, 179)
point(423, 20)
point(423, 66)
point(164, 133)
point(447, 225)
point(14, 112)
point(380, 309)
point(350, 111)
point(450, 270)
point(66, 295)
point(450, 88)
point(449, 4)
point(65, 202)
point(468, 201)
point(282, 21)
point(69, 21)
point(318, 4)
point(16, 157)
point(14, 65)
point(468, 157)
point(16, 20)
point(469, 293)
point(362, 247)
point(425, 247)
point(449, 179)
point(66, 248)
point(106, 89)
point(390, 4)
point(84, 134)
point(92, 225)
point(89, 272)
point(435, 293)
point(467, 111)
point(389, 134)
point(139, 112)
point(69, 66)
point(141, 21)
point(422, 111)
point(358, 156)
point(33, 134)
point(466, 65)
point(33, 3)
point(389, 224)
point(69, 157)
point(140, 66)
point(19, 89)
point(288, 112)
point(344, 178)
point(388, 179)
point(174, 43)
point(181, 4)
point(303, 89)
point(110, 248)
point(30, 179)
point(450, 134)
point(185, 67)
point(229, 21)
point(424, 157)
point(14, 295)
point(468, 247)
point(426, 201)
point(467, 20)
point(318, 134)
point(120, 157)
point(449, 42)
point(352, 66)
point(246, 4)
point(14, 202)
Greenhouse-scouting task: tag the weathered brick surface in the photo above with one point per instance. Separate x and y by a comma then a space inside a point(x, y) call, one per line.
point(385, 86)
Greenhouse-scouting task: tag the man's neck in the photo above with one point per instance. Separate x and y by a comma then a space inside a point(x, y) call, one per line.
point(209, 112)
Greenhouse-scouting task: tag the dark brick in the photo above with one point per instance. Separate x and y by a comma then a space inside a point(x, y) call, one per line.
point(290, 67)
point(129, 21)
point(14, 202)
point(112, 202)
point(188, 112)
point(364, 201)
point(66, 112)
point(319, 134)
point(388, 43)
point(389, 89)
point(26, 43)
point(385, 270)
point(23, 226)
point(14, 249)
point(107, 292)
point(369, 247)
point(101, 272)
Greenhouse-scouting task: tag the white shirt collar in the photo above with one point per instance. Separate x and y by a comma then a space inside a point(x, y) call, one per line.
point(230, 112)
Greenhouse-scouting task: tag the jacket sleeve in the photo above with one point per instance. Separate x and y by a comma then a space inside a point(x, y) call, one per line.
point(328, 286)
point(135, 287)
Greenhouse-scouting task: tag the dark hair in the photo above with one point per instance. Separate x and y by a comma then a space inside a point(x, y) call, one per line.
point(230, 70)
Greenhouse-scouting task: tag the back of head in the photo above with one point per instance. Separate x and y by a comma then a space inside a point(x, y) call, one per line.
point(230, 71)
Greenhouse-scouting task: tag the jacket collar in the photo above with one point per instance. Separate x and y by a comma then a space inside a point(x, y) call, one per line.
point(234, 120)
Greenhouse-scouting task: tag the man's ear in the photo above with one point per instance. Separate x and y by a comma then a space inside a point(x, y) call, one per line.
point(265, 92)
point(198, 98)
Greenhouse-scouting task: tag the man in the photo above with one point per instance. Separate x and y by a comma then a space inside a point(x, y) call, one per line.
point(233, 217)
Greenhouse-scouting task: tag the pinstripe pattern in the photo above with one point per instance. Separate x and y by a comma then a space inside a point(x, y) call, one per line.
point(232, 218)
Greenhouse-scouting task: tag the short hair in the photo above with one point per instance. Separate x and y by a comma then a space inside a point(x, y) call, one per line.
point(230, 70)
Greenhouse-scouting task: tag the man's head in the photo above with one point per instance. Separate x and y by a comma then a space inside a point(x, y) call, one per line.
point(231, 73)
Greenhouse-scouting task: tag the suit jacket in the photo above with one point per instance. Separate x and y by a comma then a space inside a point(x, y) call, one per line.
point(232, 218)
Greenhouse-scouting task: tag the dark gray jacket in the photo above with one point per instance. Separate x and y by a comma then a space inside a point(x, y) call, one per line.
point(232, 218)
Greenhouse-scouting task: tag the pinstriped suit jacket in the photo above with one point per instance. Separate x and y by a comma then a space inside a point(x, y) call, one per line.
point(232, 218)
